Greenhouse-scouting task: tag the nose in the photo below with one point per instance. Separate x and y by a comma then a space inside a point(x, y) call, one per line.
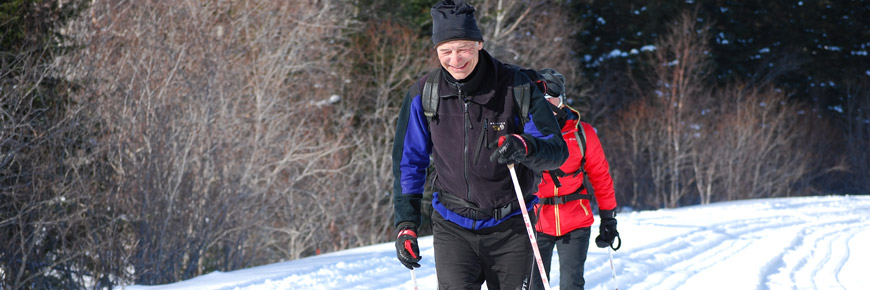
point(455, 60)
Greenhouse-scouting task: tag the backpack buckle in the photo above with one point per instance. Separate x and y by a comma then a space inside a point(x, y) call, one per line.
point(501, 212)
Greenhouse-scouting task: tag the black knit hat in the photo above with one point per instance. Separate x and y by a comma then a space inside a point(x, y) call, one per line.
point(452, 20)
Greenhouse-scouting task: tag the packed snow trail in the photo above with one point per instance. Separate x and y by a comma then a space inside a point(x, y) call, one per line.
point(782, 243)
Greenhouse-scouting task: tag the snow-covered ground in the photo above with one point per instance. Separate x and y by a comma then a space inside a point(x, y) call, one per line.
point(782, 243)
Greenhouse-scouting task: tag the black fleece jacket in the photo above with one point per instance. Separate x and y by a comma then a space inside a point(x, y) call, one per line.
point(471, 116)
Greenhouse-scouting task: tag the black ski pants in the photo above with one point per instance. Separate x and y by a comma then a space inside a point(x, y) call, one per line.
point(572, 256)
point(500, 255)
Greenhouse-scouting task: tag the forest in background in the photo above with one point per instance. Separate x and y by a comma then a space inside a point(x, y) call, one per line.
point(153, 141)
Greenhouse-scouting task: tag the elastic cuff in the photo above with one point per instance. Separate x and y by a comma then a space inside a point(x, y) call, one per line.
point(409, 232)
point(607, 213)
point(406, 226)
point(525, 145)
point(530, 146)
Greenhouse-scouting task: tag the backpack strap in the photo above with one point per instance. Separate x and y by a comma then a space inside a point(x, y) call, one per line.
point(563, 199)
point(429, 97)
point(497, 213)
point(554, 176)
point(522, 94)
point(581, 140)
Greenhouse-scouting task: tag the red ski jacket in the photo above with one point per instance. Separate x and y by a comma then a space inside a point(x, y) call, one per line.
point(559, 219)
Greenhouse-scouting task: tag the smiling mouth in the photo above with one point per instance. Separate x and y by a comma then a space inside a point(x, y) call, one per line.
point(459, 68)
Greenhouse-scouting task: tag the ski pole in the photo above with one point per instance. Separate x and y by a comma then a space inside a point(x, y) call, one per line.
point(414, 279)
point(529, 228)
point(410, 248)
point(612, 270)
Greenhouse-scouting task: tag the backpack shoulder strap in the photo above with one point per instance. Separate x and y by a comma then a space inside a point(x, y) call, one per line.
point(580, 134)
point(429, 97)
point(522, 94)
point(581, 139)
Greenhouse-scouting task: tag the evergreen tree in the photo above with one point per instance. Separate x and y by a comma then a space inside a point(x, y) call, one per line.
point(810, 48)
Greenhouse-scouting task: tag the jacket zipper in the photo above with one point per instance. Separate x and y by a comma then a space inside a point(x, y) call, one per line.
point(582, 204)
point(465, 149)
point(556, 212)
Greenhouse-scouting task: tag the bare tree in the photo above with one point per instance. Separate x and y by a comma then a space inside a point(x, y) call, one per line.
point(391, 57)
point(502, 22)
point(217, 125)
point(40, 218)
point(768, 146)
point(728, 143)
point(678, 70)
point(634, 166)
point(535, 34)
point(49, 211)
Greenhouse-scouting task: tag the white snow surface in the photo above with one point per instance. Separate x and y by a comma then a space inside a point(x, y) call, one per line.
point(779, 243)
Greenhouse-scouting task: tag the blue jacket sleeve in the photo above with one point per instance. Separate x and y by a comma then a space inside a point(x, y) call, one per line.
point(411, 149)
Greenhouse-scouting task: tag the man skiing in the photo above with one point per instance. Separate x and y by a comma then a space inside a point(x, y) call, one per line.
point(476, 128)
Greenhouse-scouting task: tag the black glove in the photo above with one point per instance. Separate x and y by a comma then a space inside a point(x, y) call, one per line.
point(512, 149)
point(607, 230)
point(406, 246)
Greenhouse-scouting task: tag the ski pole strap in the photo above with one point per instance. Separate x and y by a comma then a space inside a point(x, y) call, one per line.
point(619, 245)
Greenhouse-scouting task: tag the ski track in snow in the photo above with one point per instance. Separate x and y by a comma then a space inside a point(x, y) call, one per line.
point(792, 243)
point(803, 251)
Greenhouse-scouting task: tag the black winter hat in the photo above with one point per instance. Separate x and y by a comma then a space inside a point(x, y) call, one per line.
point(452, 20)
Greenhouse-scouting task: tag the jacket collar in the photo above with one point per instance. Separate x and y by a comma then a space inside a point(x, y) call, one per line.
point(565, 114)
point(479, 87)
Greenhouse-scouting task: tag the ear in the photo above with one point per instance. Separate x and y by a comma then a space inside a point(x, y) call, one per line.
point(479, 45)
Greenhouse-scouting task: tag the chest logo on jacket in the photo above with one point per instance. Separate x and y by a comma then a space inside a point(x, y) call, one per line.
point(497, 126)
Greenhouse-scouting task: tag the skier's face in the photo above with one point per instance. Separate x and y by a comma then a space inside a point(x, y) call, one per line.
point(556, 101)
point(459, 57)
